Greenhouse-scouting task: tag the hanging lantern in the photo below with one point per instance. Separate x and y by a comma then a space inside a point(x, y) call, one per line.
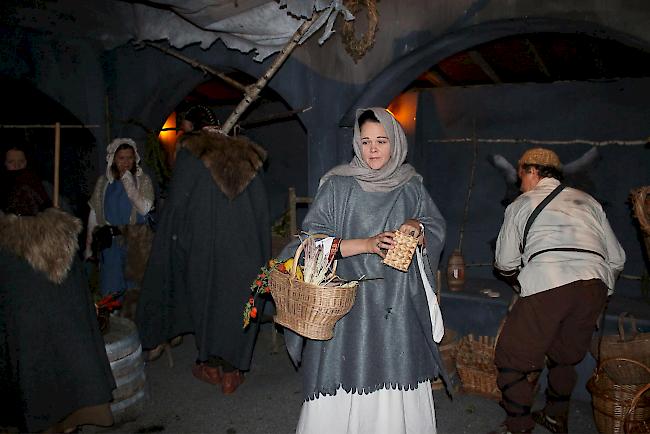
point(456, 271)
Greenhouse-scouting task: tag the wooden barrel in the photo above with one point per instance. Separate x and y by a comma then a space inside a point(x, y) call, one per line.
point(127, 364)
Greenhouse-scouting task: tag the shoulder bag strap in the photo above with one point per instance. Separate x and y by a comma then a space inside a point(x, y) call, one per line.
point(536, 212)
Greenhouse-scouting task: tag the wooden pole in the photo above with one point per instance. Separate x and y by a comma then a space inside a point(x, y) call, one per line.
point(252, 92)
point(273, 117)
point(57, 159)
point(28, 126)
point(469, 187)
point(293, 229)
point(196, 64)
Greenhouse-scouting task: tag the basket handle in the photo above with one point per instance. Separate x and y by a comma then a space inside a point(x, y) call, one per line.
point(621, 326)
point(299, 250)
point(604, 362)
point(633, 405)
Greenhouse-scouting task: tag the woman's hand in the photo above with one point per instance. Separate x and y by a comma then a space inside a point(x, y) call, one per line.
point(380, 243)
point(413, 228)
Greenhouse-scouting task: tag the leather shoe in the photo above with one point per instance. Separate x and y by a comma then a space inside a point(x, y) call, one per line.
point(231, 381)
point(555, 424)
point(207, 373)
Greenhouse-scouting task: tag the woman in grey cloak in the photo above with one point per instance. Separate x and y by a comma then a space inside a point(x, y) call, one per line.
point(374, 375)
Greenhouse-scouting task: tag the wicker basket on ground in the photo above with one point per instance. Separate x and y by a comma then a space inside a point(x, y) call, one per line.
point(475, 365)
point(632, 422)
point(614, 404)
point(307, 309)
point(627, 345)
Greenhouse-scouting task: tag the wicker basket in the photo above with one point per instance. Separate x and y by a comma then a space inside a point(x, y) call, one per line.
point(634, 346)
point(633, 422)
point(612, 402)
point(309, 310)
point(401, 255)
point(475, 365)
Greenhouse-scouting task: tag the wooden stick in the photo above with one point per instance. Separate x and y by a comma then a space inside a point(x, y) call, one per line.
point(198, 65)
point(57, 159)
point(273, 117)
point(48, 126)
point(469, 188)
point(253, 91)
point(543, 142)
point(293, 230)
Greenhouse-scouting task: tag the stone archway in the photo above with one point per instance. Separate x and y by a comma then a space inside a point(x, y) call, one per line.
point(393, 79)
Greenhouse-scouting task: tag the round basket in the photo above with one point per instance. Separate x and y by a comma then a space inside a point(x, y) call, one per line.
point(309, 310)
point(633, 422)
point(632, 345)
point(612, 402)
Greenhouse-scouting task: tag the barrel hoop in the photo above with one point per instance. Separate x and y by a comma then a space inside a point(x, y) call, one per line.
point(123, 405)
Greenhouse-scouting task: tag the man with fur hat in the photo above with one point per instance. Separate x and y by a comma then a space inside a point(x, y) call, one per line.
point(559, 248)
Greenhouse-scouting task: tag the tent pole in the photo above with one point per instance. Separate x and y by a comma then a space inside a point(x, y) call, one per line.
point(57, 159)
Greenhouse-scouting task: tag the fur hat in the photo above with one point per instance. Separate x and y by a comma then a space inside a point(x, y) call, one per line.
point(541, 157)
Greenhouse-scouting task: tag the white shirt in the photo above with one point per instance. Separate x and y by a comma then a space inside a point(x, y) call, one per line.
point(573, 219)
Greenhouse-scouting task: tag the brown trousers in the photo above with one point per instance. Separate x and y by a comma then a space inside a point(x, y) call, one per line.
point(557, 324)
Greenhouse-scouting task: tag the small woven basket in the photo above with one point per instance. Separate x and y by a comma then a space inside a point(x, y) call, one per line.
point(476, 368)
point(401, 255)
point(612, 402)
point(309, 310)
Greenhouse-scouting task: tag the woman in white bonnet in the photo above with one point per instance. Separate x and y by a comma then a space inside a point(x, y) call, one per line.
point(123, 196)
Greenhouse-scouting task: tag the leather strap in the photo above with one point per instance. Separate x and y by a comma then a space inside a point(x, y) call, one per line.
point(536, 212)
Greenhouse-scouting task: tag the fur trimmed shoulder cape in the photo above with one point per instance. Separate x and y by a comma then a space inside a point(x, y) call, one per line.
point(233, 162)
point(47, 241)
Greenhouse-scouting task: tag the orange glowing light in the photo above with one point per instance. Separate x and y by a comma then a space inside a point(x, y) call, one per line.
point(168, 135)
point(404, 108)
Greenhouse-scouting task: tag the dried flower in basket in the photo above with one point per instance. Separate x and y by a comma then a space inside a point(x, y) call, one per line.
point(401, 255)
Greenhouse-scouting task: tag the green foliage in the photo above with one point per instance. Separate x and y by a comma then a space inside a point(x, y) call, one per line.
point(281, 226)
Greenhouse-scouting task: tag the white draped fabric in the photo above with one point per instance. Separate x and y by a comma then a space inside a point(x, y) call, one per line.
point(386, 411)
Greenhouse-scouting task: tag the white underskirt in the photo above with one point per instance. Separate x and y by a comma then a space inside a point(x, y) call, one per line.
point(386, 411)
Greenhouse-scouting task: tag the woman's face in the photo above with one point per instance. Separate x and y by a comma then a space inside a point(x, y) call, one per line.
point(124, 160)
point(375, 146)
point(15, 160)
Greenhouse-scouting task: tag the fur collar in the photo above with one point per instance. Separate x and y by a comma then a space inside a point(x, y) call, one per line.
point(47, 241)
point(232, 161)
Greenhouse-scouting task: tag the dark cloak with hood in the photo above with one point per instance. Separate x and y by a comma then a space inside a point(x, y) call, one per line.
point(52, 356)
point(385, 341)
point(212, 238)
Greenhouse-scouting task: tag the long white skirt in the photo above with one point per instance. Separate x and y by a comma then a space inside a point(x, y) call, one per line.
point(386, 411)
